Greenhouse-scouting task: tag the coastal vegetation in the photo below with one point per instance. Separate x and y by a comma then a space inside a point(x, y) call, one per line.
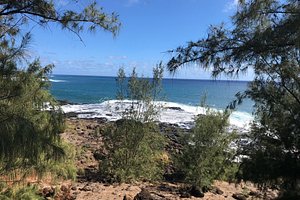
point(24, 193)
point(206, 154)
point(30, 120)
point(264, 36)
point(134, 144)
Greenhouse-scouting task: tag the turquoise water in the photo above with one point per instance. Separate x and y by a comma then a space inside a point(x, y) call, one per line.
point(96, 89)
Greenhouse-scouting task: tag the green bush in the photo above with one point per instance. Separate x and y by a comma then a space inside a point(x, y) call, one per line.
point(20, 193)
point(134, 144)
point(134, 151)
point(64, 168)
point(206, 155)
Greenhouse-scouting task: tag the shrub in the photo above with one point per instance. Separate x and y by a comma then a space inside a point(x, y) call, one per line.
point(134, 144)
point(206, 155)
point(134, 150)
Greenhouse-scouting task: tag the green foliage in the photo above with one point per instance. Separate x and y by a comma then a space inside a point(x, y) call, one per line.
point(30, 119)
point(20, 193)
point(134, 151)
point(134, 144)
point(62, 169)
point(30, 123)
point(121, 78)
point(14, 14)
point(141, 92)
point(265, 36)
point(206, 154)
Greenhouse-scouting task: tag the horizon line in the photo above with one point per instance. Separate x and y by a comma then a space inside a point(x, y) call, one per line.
point(195, 79)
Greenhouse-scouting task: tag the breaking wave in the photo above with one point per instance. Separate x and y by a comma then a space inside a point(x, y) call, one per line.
point(170, 112)
point(56, 81)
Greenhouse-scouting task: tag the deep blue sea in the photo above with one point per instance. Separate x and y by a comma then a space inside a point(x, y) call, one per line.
point(96, 89)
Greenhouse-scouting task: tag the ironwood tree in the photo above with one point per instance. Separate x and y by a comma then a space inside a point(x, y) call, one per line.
point(30, 120)
point(264, 36)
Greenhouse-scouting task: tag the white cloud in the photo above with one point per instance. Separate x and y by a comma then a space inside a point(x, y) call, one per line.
point(231, 5)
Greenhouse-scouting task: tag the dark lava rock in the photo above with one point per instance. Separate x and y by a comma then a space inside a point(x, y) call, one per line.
point(239, 196)
point(90, 126)
point(73, 187)
point(216, 190)
point(48, 192)
point(71, 115)
point(255, 194)
point(65, 102)
point(219, 191)
point(166, 188)
point(64, 188)
point(174, 108)
point(127, 197)
point(196, 192)
point(101, 120)
point(185, 195)
point(86, 188)
point(99, 155)
point(144, 195)
point(173, 175)
point(206, 189)
point(201, 115)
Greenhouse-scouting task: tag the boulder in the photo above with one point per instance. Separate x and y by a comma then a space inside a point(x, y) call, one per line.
point(239, 196)
point(64, 188)
point(144, 195)
point(127, 197)
point(48, 192)
point(174, 108)
point(185, 195)
point(196, 192)
point(219, 191)
point(216, 190)
point(255, 194)
point(86, 188)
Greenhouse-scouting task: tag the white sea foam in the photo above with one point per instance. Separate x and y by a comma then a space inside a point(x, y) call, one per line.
point(57, 81)
point(174, 113)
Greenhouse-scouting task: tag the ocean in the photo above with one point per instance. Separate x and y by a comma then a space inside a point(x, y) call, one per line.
point(93, 92)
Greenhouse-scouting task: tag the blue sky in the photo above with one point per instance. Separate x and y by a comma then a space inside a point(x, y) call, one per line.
point(149, 29)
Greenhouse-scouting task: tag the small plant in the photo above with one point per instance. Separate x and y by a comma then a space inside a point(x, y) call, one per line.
point(206, 154)
point(134, 144)
point(21, 193)
point(65, 169)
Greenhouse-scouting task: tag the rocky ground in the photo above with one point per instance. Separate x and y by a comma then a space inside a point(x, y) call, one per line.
point(85, 135)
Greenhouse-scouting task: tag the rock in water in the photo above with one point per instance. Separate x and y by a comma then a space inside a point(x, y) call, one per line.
point(174, 108)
